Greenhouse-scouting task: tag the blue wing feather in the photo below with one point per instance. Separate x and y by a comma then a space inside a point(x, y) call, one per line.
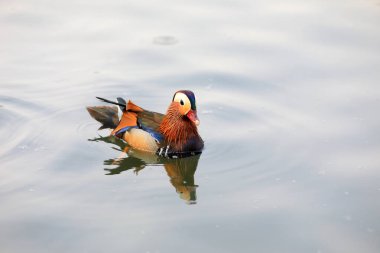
point(158, 136)
point(123, 130)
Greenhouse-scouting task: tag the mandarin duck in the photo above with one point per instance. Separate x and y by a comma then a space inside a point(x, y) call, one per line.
point(173, 134)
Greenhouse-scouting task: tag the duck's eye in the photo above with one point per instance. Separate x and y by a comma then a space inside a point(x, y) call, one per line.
point(181, 102)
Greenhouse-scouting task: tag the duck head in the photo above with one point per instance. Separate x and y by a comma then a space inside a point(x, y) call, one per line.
point(185, 100)
point(179, 125)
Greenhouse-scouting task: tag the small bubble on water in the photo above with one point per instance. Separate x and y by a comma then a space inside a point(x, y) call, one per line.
point(165, 40)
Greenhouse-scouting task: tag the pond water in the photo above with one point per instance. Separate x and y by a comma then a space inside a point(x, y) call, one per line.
point(288, 98)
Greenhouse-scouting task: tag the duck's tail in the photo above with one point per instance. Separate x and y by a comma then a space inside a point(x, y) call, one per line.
point(116, 118)
point(108, 116)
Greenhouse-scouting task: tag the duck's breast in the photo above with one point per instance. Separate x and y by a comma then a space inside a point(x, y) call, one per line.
point(140, 139)
point(195, 143)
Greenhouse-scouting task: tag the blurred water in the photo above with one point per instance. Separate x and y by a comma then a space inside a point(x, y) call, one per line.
point(288, 97)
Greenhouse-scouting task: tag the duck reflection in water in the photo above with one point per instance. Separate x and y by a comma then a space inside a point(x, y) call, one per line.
point(180, 170)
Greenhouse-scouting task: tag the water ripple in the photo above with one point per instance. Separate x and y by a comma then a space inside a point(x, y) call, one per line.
point(20, 125)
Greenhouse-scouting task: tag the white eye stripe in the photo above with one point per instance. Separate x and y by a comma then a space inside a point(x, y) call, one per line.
point(180, 96)
point(183, 100)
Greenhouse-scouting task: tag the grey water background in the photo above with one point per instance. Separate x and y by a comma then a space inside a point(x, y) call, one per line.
point(288, 97)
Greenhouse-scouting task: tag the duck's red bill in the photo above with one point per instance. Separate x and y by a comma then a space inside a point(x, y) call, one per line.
point(192, 115)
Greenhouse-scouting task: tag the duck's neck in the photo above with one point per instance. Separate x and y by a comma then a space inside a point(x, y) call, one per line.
point(178, 129)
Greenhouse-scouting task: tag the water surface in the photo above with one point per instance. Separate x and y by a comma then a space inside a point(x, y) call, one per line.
point(288, 97)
